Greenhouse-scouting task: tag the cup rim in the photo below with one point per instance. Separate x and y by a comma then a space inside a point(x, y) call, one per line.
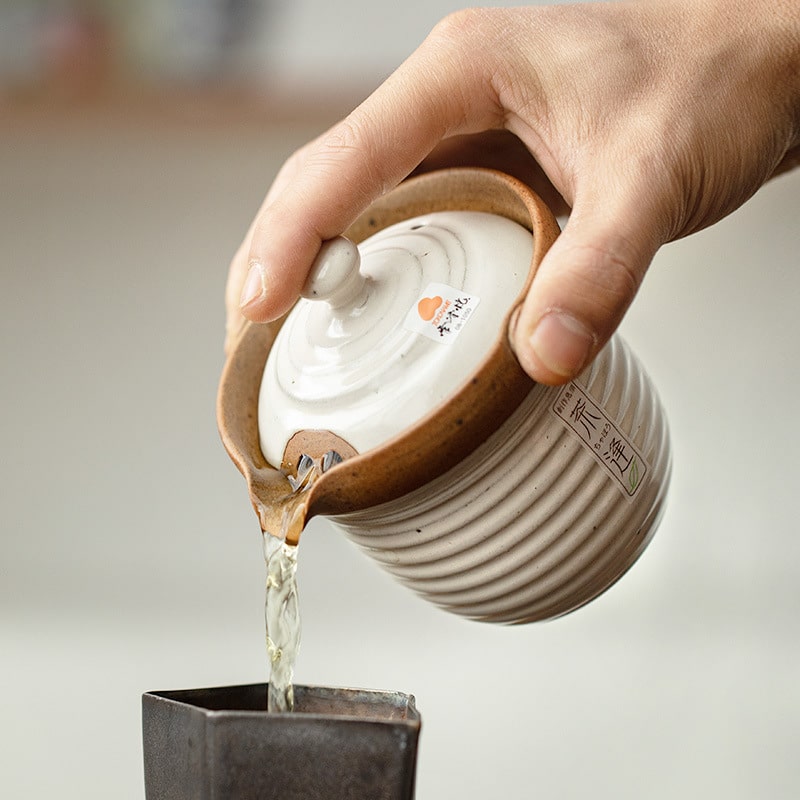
point(367, 700)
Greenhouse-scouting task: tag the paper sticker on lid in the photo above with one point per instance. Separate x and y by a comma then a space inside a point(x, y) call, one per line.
point(441, 312)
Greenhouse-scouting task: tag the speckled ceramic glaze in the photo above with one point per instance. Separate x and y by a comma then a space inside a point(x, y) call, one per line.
point(490, 495)
point(389, 330)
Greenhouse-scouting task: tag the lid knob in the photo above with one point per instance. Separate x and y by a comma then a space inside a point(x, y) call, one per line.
point(335, 275)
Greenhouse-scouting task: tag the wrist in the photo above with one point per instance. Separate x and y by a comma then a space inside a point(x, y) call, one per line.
point(782, 20)
point(763, 36)
point(771, 31)
point(791, 17)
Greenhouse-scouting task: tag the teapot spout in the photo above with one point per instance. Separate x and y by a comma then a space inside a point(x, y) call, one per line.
point(280, 510)
point(282, 499)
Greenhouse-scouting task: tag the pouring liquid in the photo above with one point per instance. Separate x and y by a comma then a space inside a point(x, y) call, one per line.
point(281, 605)
point(282, 615)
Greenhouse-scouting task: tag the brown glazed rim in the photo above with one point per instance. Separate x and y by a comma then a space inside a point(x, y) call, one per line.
point(449, 432)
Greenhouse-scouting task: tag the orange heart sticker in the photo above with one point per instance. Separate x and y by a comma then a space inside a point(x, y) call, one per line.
point(427, 307)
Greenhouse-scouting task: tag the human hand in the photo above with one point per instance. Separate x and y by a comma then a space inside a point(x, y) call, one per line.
point(649, 120)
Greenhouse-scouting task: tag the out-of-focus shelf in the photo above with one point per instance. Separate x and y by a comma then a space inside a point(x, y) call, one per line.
point(175, 105)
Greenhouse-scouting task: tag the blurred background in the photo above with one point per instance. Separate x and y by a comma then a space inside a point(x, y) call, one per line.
point(136, 142)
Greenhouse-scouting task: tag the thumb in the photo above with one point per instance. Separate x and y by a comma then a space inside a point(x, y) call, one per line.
point(583, 287)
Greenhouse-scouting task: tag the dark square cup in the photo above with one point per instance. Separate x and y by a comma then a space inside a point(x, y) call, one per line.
point(221, 744)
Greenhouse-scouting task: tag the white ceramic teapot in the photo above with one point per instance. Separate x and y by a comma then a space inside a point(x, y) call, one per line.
point(393, 382)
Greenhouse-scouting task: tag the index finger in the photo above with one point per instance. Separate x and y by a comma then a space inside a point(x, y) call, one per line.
point(438, 92)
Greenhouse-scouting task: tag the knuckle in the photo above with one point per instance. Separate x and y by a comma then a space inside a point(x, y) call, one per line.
point(621, 278)
point(466, 49)
point(471, 39)
point(295, 162)
point(605, 280)
point(353, 154)
point(345, 137)
point(461, 27)
point(344, 143)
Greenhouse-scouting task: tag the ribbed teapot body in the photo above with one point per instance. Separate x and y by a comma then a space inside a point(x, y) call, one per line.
point(547, 513)
point(494, 497)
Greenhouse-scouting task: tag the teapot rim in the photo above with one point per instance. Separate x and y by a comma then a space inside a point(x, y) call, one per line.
point(451, 430)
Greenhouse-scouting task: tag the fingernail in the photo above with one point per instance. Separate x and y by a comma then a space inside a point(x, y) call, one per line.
point(254, 286)
point(561, 343)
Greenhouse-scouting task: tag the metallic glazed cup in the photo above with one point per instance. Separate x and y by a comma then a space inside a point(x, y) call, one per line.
point(221, 744)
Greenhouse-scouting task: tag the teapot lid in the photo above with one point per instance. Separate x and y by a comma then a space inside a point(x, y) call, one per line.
point(386, 331)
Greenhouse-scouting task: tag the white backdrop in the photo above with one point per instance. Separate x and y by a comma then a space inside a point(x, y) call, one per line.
point(130, 558)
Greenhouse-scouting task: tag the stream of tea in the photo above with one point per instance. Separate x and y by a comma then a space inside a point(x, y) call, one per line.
point(281, 606)
point(282, 614)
